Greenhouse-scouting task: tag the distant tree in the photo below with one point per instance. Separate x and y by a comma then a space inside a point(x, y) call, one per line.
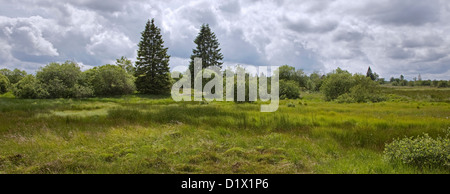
point(403, 82)
point(108, 80)
point(152, 65)
point(207, 48)
point(14, 76)
point(301, 78)
point(4, 84)
point(442, 84)
point(337, 83)
point(420, 77)
point(286, 72)
point(426, 83)
point(289, 89)
point(314, 82)
point(370, 74)
point(29, 87)
point(435, 83)
point(127, 65)
point(59, 80)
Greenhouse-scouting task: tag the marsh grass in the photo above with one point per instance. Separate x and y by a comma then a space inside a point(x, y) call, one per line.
point(154, 134)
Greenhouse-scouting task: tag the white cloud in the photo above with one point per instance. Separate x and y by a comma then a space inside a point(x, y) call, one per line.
point(23, 36)
point(110, 45)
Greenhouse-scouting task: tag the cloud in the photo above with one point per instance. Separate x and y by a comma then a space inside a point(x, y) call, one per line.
point(306, 26)
point(402, 12)
point(392, 36)
point(110, 45)
point(24, 37)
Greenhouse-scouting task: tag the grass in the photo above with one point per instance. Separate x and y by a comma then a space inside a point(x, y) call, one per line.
point(154, 134)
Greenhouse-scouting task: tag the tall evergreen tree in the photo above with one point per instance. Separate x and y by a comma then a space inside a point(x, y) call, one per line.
point(370, 74)
point(207, 49)
point(152, 65)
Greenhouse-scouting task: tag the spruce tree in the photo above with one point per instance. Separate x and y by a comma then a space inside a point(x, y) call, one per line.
point(207, 49)
point(152, 65)
point(370, 74)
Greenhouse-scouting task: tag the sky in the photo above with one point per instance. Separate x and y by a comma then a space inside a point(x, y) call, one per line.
point(393, 37)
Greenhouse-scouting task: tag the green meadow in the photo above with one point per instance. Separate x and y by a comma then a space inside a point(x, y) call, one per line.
point(154, 134)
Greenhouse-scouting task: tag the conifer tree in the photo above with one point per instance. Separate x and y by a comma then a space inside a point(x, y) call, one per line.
point(207, 49)
point(152, 65)
point(370, 74)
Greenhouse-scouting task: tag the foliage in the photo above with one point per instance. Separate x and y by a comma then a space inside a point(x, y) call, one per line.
point(370, 74)
point(421, 151)
point(337, 83)
point(289, 73)
point(345, 98)
point(152, 65)
point(4, 84)
point(126, 64)
point(13, 76)
point(289, 89)
point(59, 80)
point(207, 48)
point(110, 80)
point(314, 82)
point(365, 90)
point(29, 87)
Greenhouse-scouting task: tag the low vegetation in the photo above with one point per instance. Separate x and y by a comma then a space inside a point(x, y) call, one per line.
point(154, 134)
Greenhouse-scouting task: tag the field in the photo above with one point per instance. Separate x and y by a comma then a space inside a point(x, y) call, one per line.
point(154, 134)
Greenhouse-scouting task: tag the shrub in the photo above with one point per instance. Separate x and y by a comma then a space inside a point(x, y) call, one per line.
point(422, 151)
point(289, 89)
point(4, 84)
point(59, 79)
point(442, 84)
point(29, 87)
point(14, 76)
point(82, 91)
point(365, 90)
point(291, 105)
point(109, 80)
point(337, 83)
point(345, 98)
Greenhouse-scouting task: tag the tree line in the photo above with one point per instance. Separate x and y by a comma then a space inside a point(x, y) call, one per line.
point(151, 75)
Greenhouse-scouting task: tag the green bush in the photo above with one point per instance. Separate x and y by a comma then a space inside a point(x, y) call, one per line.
point(422, 151)
point(4, 84)
point(109, 80)
point(291, 105)
point(337, 83)
point(289, 89)
point(345, 98)
point(29, 87)
point(365, 90)
point(442, 84)
point(59, 80)
point(14, 76)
